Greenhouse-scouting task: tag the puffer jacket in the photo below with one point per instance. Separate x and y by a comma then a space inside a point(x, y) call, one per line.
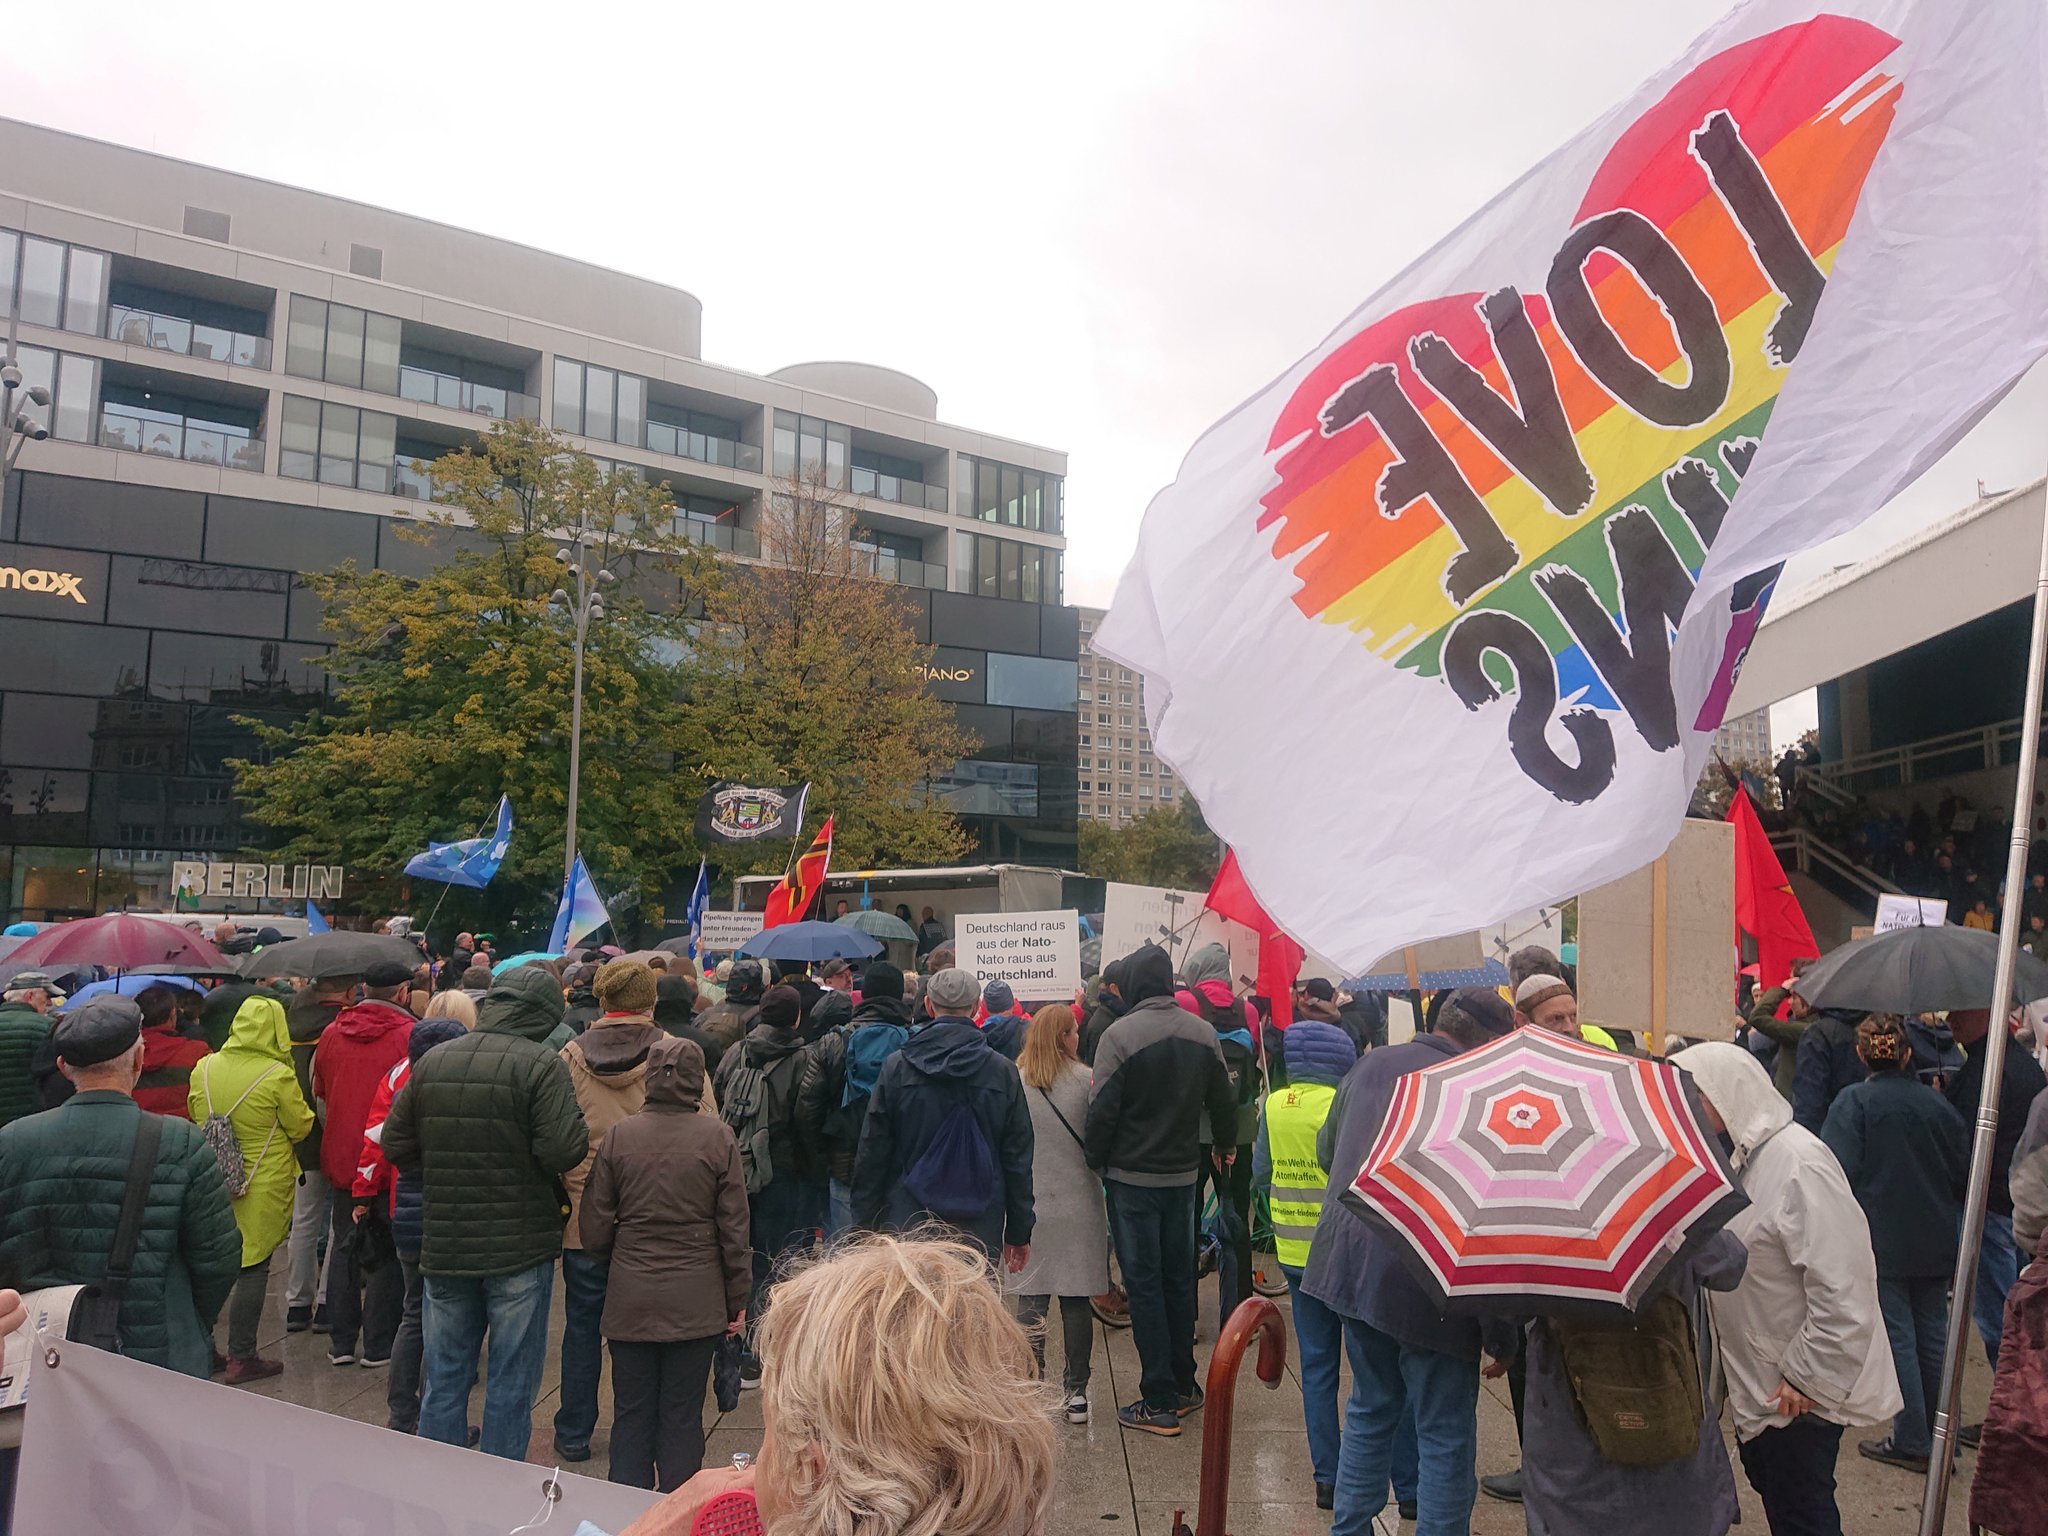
point(167, 1062)
point(608, 1065)
point(829, 1110)
point(1826, 1062)
point(667, 1205)
point(355, 1054)
point(65, 1172)
point(22, 1033)
point(376, 1178)
point(255, 1068)
point(490, 1123)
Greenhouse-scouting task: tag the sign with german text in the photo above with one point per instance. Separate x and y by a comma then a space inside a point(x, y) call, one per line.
point(1909, 912)
point(724, 932)
point(1037, 953)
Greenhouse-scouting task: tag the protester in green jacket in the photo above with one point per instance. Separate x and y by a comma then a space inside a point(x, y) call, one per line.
point(24, 1027)
point(490, 1123)
point(65, 1172)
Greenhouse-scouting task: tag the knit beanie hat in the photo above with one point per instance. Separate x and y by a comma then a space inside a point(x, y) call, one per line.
point(998, 996)
point(625, 986)
point(882, 980)
point(781, 1006)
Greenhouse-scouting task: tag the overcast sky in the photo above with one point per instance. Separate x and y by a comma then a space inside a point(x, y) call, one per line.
point(1092, 226)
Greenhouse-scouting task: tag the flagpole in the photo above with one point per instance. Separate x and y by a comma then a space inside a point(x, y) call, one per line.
point(428, 927)
point(1939, 1469)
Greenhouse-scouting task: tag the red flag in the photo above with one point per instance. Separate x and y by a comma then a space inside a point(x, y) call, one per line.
point(1765, 907)
point(790, 900)
point(1279, 956)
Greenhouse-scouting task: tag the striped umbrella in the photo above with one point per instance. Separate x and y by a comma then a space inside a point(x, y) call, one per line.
point(1542, 1175)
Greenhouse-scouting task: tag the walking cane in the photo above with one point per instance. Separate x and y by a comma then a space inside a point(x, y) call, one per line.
point(1257, 1318)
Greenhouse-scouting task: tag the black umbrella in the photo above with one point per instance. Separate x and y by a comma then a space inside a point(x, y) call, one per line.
point(339, 953)
point(1918, 970)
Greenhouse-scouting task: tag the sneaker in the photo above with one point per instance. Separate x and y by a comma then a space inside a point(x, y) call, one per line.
point(1077, 1408)
point(242, 1371)
point(1189, 1403)
point(1326, 1495)
point(1267, 1280)
point(1112, 1308)
point(298, 1319)
point(368, 1364)
point(345, 1357)
point(1888, 1452)
point(750, 1374)
point(1153, 1421)
point(1505, 1486)
point(1971, 1435)
point(572, 1452)
point(1407, 1509)
point(320, 1323)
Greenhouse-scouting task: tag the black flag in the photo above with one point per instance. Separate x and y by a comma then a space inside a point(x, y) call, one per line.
point(741, 813)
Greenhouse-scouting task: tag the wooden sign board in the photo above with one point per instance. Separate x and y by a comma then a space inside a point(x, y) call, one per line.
point(1656, 948)
point(1459, 952)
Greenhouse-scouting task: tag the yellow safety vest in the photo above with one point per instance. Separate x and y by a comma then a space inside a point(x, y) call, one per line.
point(1293, 1116)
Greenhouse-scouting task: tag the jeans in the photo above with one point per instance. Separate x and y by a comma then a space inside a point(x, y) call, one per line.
point(1792, 1468)
point(1916, 1320)
point(1234, 1224)
point(1998, 1266)
point(402, 1391)
point(1077, 1332)
point(513, 1310)
point(1319, 1349)
point(658, 1411)
point(245, 1309)
point(838, 1210)
point(1389, 1382)
point(305, 1280)
point(780, 1222)
point(369, 1303)
point(1153, 1230)
point(583, 1283)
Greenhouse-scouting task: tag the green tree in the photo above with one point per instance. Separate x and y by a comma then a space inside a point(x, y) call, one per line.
point(1169, 846)
point(805, 670)
point(453, 688)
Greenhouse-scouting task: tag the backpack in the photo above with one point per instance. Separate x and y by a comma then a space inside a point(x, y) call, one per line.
point(743, 1104)
point(1238, 1059)
point(954, 1177)
point(1637, 1389)
point(868, 1049)
point(218, 1133)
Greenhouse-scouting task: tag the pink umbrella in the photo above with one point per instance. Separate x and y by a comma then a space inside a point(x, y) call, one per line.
point(120, 941)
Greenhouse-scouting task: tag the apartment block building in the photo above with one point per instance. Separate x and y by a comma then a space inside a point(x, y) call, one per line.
point(1120, 777)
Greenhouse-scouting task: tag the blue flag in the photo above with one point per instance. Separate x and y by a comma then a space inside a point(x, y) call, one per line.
point(470, 862)
point(581, 913)
point(315, 923)
point(700, 898)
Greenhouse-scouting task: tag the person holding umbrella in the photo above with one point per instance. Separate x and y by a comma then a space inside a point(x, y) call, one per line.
point(1907, 1156)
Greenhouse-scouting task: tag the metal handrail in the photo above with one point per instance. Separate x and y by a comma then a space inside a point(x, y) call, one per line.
point(1257, 1318)
point(1991, 746)
point(1807, 850)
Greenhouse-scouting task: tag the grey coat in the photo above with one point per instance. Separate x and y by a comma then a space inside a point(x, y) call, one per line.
point(1070, 1239)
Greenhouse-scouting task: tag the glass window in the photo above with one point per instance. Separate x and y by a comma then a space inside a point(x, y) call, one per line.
point(204, 668)
point(10, 258)
point(987, 556)
point(963, 486)
point(1013, 499)
point(1034, 500)
point(42, 281)
point(1030, 682)
point(380, 354)
point(1029, 555)
point(376, 451)
point(339, 425)
point(988, 491)
point(1012, 570)
point(97, 660)
point(599, 403)
point(838, 449)
point(974, 786)
point(632, 410)
point(305, 337)
point(810, 444)
point(344, 346)
point(38, 367)
point(568, 395)
point(298, 455)
point(77, 395)
point(85, 292)
point(783, 461)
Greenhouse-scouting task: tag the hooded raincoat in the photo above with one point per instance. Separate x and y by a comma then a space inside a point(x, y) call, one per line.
point(1806, 1311)
point(250, 1080)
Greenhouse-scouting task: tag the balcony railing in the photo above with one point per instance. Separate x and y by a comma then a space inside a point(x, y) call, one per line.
point(703, 447)
point(451, 393)
point(412, 484)
point(725, 536)
point(196, 442)
point(887, 565)
point(188, 338)
point(909, 493)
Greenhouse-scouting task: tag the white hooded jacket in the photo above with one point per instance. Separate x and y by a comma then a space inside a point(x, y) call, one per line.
point(1806, 1310)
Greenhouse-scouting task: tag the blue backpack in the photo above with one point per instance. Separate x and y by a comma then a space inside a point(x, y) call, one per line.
point(955, 1177)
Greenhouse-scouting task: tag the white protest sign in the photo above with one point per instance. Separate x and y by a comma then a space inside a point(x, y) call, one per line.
point(49, 1311)
point(1037, 953)
point(1136, 915)
point(722, 933)
point(115, 1446)
point(1909, 912)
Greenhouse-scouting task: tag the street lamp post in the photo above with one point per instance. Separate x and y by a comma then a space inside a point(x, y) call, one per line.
point(20, 428)
point(588, 604)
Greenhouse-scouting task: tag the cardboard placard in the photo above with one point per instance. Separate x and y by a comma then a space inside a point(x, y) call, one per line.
point(1136, 915)
point(1037, 953)
point(722, 933)
point(1621, 939)
point(1909, 912)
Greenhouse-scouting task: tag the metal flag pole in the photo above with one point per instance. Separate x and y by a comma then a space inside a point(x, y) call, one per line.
point(1934, 1508)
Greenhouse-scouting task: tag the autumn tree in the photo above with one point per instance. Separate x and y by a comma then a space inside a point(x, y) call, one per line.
point(1168, 846)
point(807, 669)
point(453, 688)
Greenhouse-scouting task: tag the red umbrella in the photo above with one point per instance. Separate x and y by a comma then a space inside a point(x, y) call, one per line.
point(120, 941)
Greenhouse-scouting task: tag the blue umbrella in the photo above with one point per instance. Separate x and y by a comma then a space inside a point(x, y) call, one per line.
point(526, 957)
point(810, 942)
point(128, 986)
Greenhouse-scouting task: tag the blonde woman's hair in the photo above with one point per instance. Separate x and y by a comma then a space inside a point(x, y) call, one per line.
point(1042, 1060)
point(904, 1397)
point(459, 1006)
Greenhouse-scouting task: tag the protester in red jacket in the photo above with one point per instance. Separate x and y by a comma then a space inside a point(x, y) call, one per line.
point(167, 1056)
point(355, 1054)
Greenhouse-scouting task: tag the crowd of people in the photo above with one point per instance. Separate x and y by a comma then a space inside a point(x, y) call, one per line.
point(717, 1165)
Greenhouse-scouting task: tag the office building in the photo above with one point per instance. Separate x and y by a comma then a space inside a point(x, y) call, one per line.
point(242, 377)
point(1120, 776)
point(1745, 738)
